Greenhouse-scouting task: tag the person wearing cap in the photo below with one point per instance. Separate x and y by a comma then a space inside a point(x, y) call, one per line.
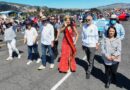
point(30, 38)
point(90, 44)
point(47, 42)
point(10, 39)
point(118, 26)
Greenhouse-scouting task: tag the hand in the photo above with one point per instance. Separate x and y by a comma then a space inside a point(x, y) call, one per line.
point(110, 58)
point(52, 44)
point(34, 42)
point(65, 24)
point(24, 42)
point(114, 57)
point(74, 42)
point(97, 46)
point(56, 39)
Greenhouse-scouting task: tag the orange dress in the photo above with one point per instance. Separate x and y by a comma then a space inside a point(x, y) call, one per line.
point(68, 52)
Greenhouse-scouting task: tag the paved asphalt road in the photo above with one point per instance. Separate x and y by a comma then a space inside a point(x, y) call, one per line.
point(16, 75)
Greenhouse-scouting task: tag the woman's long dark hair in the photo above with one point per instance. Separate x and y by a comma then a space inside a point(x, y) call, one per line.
point(107, 33)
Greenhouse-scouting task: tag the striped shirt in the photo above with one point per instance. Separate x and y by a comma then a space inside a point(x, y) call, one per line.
point(90, 35)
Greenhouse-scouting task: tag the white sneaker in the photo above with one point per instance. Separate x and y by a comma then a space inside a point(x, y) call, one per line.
point(52, 66)
point(41, 67)
point(19, 56)
point(38, 61)
point(29, 62)
point(9, 58)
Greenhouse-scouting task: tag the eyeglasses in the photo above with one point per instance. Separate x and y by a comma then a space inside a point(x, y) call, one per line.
point(88, 20)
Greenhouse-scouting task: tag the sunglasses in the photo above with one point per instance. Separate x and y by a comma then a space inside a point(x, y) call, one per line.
point(88, 20)
point(44, 21)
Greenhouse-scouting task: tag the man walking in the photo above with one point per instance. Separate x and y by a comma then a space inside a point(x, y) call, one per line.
point(47, 42)
point(90, 42)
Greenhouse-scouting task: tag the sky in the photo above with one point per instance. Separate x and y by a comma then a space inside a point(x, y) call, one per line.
point(82, 4)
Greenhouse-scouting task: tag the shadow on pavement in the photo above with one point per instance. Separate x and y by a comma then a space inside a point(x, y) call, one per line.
point(99, 59)
point(82, 63)
point(99, 74)
point(15, 54)
point(1, 40)
point(122, 81)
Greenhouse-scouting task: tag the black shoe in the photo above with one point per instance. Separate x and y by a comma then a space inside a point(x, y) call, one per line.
point(87, 76)
point(107, 85)
point(108, 82)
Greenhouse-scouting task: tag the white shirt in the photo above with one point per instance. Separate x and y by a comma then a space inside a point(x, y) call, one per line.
point(47, 35)
point(30, 35)
point(90, 35)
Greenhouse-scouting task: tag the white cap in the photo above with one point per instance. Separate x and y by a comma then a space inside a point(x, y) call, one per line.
point(114, 16)
point(43, 17)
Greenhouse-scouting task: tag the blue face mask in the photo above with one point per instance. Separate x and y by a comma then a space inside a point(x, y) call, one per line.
point(113, 22)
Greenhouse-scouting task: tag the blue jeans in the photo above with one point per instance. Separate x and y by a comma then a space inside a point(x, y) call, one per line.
point(35, 49)
point(44, 49)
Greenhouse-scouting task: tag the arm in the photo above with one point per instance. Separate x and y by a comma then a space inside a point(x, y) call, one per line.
point(58, 34)
point(82, 34)
point(122, 33)
point(25, 38)
point(52, 36)
point(63, 27)
point(118, 50)
point(35, 36)
point(77, 35)
point(104, 50)
point(97, 37)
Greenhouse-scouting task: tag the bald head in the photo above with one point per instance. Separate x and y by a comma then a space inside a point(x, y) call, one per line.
point(89, 19)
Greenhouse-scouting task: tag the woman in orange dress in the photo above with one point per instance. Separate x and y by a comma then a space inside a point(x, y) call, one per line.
point(67, 60)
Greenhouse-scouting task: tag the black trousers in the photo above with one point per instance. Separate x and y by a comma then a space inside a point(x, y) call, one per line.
point(55, 49)
point(111, 71)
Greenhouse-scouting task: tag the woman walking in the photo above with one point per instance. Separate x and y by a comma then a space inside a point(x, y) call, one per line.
point(30, 38)
point(10, 39)
point(111, 53)
point(67, 60)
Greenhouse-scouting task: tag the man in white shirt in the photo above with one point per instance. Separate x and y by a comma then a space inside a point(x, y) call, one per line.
point(90, 42)
point(47, 42)
point(30, 38)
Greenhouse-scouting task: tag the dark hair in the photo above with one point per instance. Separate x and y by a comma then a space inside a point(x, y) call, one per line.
point(107, 33)
point(28, 23)
point(8, 25)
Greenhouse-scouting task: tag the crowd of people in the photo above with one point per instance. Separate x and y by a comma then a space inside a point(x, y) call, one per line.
point(51, 28)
